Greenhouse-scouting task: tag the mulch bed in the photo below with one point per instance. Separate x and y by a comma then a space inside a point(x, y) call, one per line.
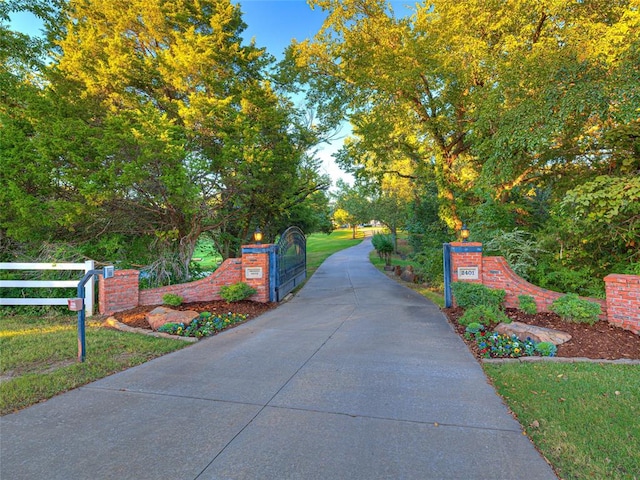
point(599, 341)
point(137, 316)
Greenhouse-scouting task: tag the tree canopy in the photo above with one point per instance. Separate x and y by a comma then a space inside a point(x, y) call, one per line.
point(153, 121)
point(505, 105)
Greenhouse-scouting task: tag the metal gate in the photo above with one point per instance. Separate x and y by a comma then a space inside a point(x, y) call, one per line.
point(291, 262)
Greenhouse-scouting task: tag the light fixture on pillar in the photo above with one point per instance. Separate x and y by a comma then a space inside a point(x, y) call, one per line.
point(464, 232)
point(257, 236)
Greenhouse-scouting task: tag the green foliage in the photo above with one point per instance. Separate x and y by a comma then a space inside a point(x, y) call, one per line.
point(527, 304)
point(430, 266)
point(575, 309)
point(518, 248)
point(236, 292)
point(134, 141)
point(546, 349)
point(384, 246)
point(205, 325)
point(469, 295)
point(555, 275)
point(488, 315)
point(172, 299)
point(474, 327)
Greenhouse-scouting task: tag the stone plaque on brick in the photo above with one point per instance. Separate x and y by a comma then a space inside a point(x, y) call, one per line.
point(467, 273)
point(252, 272)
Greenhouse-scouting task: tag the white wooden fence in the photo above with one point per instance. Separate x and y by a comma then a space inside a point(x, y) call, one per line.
point(88, 289)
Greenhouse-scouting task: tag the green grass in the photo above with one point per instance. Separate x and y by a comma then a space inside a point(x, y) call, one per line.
point(206, 255)
point(583, 417)
point(39, 357)
point(320, 246)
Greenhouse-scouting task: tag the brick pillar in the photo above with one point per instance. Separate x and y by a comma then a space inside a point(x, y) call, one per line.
point(255, 269)
point(466, 262)
point(623, 301)
point(119, 292)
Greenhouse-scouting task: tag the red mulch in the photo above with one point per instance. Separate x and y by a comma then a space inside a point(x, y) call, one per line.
point(137, 316)
point(599, 341)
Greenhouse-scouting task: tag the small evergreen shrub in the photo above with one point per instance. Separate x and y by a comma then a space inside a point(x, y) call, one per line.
point(546, 349)
point(572, 308)
point(172, 299)
point(527, 304)
point(236, 292)
point(486, 315)
point(475, 294)
point(384, 246)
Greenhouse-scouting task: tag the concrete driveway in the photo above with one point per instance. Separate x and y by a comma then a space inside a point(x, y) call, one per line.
point(357, 377)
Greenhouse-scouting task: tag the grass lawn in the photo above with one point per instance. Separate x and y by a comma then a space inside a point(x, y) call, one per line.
point(320, 245)
point(205, 255)
point(583, 417)
point(39, 356)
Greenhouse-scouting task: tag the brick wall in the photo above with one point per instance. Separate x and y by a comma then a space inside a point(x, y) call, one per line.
point(118, 293)
point(621, 307)
point(122, 291)
point(623, 301)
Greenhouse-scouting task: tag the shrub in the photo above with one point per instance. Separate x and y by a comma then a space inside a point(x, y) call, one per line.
point(236, 292)
point(527, 304)
point(475, 294)
point(546, 349)
point(575, 309)
point(474, 327)
point(384, 246)
point(485, 315)
point(518, 248)
point(430, 266)
point(172, 299)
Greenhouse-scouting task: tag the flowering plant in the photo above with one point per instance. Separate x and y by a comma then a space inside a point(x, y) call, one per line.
point(499, 345)
point(205, 325)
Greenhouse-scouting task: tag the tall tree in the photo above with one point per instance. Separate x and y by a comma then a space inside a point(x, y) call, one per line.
point(159, 122)
point(486, 96)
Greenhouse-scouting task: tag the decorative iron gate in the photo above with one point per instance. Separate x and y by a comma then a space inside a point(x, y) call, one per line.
point(291, 262)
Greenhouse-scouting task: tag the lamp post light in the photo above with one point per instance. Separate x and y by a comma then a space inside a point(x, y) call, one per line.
point(257, 236)
point(464, 232)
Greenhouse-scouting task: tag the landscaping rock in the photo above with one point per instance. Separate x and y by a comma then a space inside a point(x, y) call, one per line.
point(161, 315)
point(537, 334)
point(408, 275)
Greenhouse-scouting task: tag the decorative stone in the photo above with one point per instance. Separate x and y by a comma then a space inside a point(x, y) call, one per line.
point(397, 270)
point(537, 334)
point(408, 275)
point(161, 315)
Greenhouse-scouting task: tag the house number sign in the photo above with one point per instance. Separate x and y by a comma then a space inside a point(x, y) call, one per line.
point(467, 273)
point(253, 272)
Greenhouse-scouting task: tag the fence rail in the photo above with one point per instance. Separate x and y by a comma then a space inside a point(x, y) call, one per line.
point(84, 267)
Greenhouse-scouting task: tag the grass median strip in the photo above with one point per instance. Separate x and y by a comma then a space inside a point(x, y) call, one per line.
point(39, 357)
